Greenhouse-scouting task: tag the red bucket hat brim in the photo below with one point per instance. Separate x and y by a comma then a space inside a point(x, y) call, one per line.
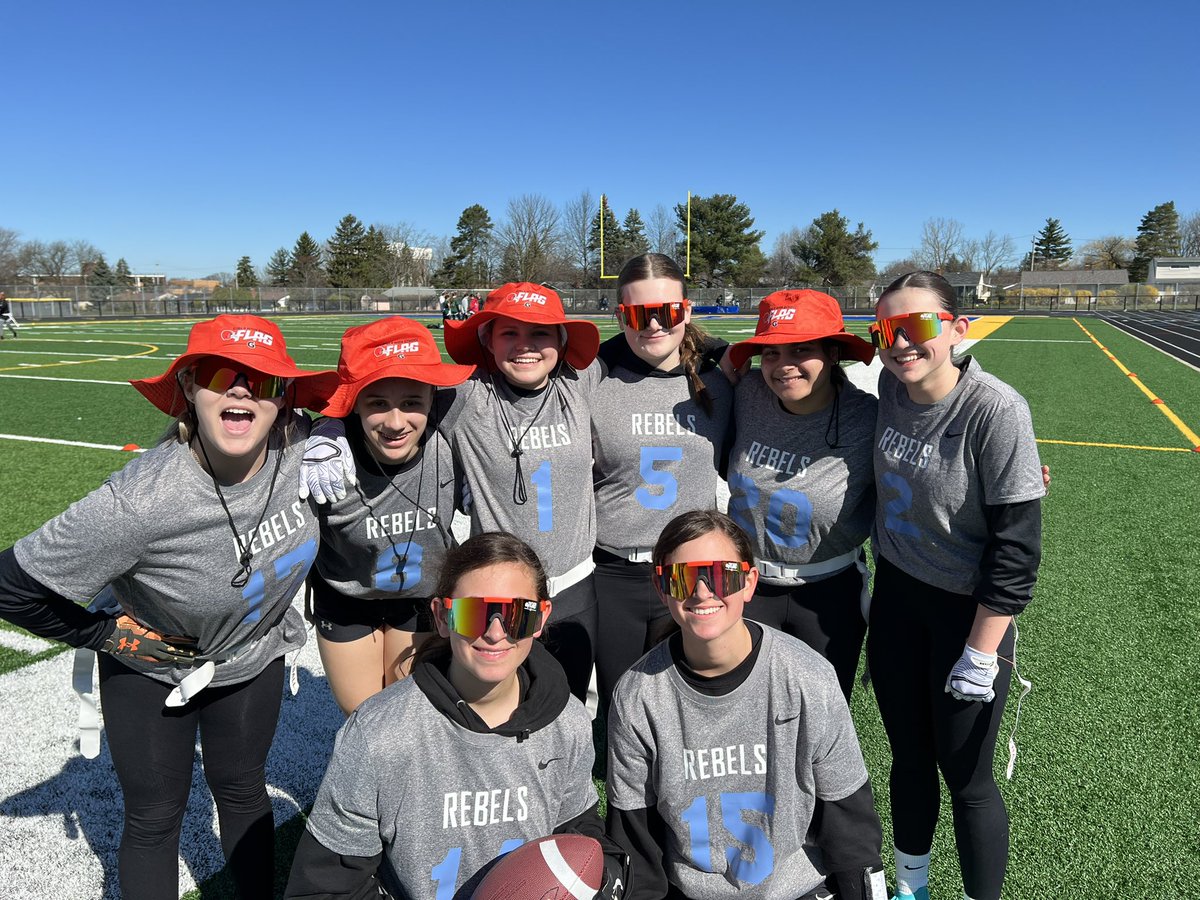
point(341, 403)
point(819, 318)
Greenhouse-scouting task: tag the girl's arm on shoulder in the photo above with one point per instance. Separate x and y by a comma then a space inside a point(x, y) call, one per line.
point(319, 873)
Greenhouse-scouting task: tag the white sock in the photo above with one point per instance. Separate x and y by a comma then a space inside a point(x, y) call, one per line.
point(912, 872)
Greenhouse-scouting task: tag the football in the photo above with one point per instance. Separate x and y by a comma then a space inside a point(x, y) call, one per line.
point(558, 867)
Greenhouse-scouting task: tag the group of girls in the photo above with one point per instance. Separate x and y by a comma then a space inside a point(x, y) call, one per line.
point(813, 468)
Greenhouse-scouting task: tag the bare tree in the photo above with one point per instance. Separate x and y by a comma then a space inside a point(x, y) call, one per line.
point(576, 224)
point(528, 239)
point(82, 254)
point(941, 239)
point(661, 231)
point(895, 269)
point(1189, 232)
point(994, 251)
point(1110, 252)
point(50, 261)
point(781, 264)
point(10, 255)
point(411, 259)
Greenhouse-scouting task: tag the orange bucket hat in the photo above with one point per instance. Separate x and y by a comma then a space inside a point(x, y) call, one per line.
point(794, 317)
point(246, 341)
point(394, 347)
point(525, 302)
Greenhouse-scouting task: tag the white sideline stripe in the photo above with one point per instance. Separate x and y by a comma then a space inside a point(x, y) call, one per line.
point(566, 876)
point(76, 380)
point(26, 643)
point(42, 440)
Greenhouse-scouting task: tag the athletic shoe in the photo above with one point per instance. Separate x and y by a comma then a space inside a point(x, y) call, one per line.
point(921, 894)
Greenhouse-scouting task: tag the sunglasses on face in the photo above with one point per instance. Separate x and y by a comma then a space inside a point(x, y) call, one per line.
point(638, 315)
point(472, 616)
point(218, 375)
point(917, 328)
point(679, 580)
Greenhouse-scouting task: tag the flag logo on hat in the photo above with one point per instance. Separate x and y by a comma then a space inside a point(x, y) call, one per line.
point(237, 335)
point(778, 315)
point(397, 351)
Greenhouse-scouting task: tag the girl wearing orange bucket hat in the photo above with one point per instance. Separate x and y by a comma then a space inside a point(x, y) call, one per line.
point(800, 474)
point(191, 555)
point(382, 545)
point(660, 429)
point(520, 430)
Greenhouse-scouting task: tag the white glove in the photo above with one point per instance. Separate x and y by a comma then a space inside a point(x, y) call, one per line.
point(972, 676)
point(327, 471)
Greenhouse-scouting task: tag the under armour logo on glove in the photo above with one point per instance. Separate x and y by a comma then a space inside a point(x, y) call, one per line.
point(133, 641)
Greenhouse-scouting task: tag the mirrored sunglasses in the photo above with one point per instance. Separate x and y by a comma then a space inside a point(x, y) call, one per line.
point(917, 328)
point(218, 375)
point(638, 315)
point(471, 616)
point(679, 580)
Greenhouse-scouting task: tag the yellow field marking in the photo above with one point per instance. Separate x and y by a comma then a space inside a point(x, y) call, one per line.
point(981, 328)
point(84, 362)
point(1163, 408)
point(1114, 446)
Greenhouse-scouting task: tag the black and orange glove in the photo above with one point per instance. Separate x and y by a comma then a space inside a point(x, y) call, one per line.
point(129, 640)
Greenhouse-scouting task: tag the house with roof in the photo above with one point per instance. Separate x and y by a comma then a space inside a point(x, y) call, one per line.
point(969, 286)
point(1175, 275)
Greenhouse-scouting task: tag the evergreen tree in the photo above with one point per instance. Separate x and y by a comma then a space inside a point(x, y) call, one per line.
point(124, 278)
point(347, 257)
point(278, 267)
point(614, 243)
point(469, 262)
point(100, 277)
point(1158, 235)
point(306, 270)
point(634, 234)
point(831, 254)
point(378, 259)
point(245, 277)
point(725, 247)
point(1051, 248)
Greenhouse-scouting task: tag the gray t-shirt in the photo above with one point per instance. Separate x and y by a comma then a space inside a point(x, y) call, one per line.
point(547, 501)
point(734, 778)
point(442, 801)
point(938, 465)
point(381, 540)
point(657, 452)
point(800, 500)
point(155, 534)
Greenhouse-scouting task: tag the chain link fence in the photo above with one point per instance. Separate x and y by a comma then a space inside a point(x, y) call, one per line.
point(50, 302)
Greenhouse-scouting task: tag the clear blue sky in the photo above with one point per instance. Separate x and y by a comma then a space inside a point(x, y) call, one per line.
point(182, 136)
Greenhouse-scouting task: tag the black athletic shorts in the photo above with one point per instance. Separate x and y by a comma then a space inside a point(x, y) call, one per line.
point(341, 619)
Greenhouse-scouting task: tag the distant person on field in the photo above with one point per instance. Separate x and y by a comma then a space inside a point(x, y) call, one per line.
point(6, 317)
point(472, 305)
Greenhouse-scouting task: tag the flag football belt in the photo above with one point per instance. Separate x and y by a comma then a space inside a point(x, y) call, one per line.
point(633, 554)
point(572, 576)
point(809, 570)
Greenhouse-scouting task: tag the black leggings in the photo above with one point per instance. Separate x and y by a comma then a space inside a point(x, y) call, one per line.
point(571, 635)
point(632, 618)
point(826, 615)
point(917, 634)
point(153, 749)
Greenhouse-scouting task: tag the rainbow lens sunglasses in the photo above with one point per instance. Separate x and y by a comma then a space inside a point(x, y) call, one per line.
point(218, 375)
point(679, 580)
point(638, 315)
point(472, 616)
point(917, 328)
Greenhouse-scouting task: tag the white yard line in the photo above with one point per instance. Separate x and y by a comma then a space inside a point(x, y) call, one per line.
point(45, 440)
point(26, 643)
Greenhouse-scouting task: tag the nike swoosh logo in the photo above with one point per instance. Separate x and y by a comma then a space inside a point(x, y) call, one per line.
point(913, 868)
point(444, 483)
point(951, 434)
point(782, 720)
point(543, 765)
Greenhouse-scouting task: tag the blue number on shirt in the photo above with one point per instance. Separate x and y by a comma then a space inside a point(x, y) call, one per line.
point(541, 481)
point(755, 860)
point(780, 500)
point(743, 497)
point(290, 570)
point(445, 873)
point(657, 478)
point(388, 574)
point(899, 505)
